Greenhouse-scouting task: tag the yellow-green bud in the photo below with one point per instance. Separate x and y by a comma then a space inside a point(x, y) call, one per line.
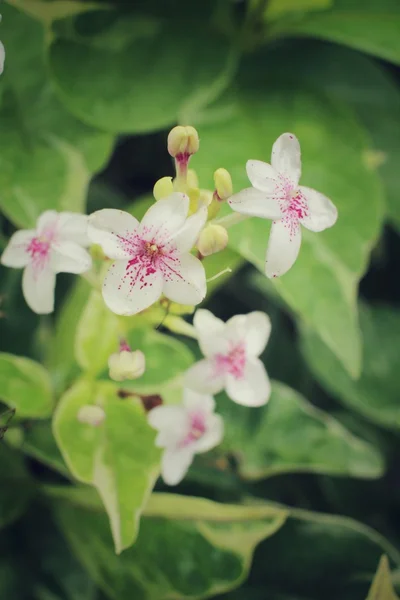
point(183, 141)
point(212, 239)
point(90, 414)
point(213, 209)
point(223, 184)
point(163, 188)
point(192, 179)
point(126, 365)
point(194, 195)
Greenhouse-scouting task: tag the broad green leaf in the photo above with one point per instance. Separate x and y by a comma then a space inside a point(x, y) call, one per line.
point(375, 394)
point(16, 487)
point(25, 385)
point(291, 435)
point(371, 27)
point(166, 358)
point(322, 286)
point(48, 12)
point(38, 442)
point(187, 547)
point(140, 80)
point(382, 587)
point(47, 155)
point(326, 556)
point(97, 334)
point(118, 457)
point(278, 8)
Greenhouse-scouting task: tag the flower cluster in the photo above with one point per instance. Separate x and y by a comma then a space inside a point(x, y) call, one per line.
point(154, 258)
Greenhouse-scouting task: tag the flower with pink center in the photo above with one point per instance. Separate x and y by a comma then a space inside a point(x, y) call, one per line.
point(231, 360)
point(55, 246)
point(152, 257)
point(184, 430)
point(276, 195)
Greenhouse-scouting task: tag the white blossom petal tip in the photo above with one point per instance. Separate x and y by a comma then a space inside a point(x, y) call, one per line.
point(231, 357)
point(184, 430)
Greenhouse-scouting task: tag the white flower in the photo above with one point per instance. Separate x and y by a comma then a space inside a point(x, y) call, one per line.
point(126, 365)
point(153, 257)
point(276, 195)
point(55, 246)
point(232, 350)
point(2, 57)
point(185, 430)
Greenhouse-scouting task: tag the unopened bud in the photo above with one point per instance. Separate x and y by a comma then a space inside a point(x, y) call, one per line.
point(223, 184)
point(213, 208)
point(183, 141)
point(163, 188)
point(192, 179)
point(90, 414)
point(194, 195)
point(126, 365)
point(212, 239)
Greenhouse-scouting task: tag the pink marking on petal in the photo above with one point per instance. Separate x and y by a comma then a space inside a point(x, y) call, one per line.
point(39, 247)
point(234, 362)
point(197, 428)
point(293, 204)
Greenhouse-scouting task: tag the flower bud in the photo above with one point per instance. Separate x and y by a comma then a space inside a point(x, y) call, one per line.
point(163, 188)
point(212, 239)
point(91, 414)
point(192, 179)
point(126, 365)
point(223, 184)
point(183, 141)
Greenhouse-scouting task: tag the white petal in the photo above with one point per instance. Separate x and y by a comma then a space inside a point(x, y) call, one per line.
point(175, 464)
point(165, 218)
point(15, 254)
point(322, 213)
point(47, 220)
point(203, 377)
point(187, 236)
point(171, 422)
point(258, 329)
point(128, 289)
point(68, 257)
point(113, 230)
point(253, 389)
point(72, 227)
point(257, 204)
point(212, 437)
point(2, 57)
point(286, 157)
point(38, 288)
point(283, 247)
point(195, 401)
point(262, 175)
point(210, 332)
point(186, 283)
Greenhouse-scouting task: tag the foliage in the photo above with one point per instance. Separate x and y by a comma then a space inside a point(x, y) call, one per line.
point(299, 499)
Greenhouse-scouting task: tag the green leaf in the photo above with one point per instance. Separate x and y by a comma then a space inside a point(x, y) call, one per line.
point(375, 394)
point(278, 8)
point(118, 457)
point(47, 12)
point(140, 80)
point(38, 442)
point(166, 359)
point(291, 435)
point(47, 155)
point(322, 286)
point(382, 587)
point(187, 547)
point(371, 27)
point(97, 335)
point(25, 385)
point(15, 486)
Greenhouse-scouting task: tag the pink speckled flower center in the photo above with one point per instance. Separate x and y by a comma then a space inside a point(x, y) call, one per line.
point(197, 428)
point(39, 249)
point(297, 206)
point(233, 362)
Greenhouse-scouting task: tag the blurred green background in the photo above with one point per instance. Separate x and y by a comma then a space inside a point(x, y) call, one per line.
point(88, 95)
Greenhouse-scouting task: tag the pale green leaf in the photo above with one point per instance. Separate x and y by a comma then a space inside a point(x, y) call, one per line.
point(375, 395)
point(291, 435)
point(279, 8)
point(382, 587)
point(25, 385)
point(16, 487)
point(97, 335)
point(118, 457)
